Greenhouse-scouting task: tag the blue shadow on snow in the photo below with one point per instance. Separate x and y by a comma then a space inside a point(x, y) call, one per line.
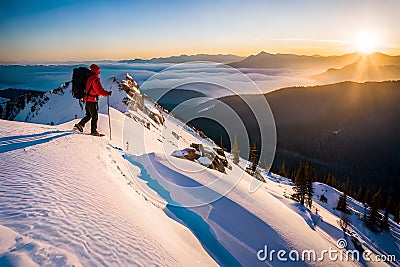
point(21, 145)
point(193, 221)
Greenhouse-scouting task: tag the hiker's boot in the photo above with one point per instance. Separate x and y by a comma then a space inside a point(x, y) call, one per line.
point(78, 127)
point(97, 134)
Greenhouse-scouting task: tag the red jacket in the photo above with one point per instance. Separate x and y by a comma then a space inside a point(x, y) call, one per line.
point(94, 89)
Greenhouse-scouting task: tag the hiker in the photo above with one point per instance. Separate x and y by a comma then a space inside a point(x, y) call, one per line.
point(92, 92)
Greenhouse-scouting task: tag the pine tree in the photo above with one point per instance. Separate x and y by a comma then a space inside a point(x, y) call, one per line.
point(253, 157)
point(342, 203)
point(235, 150)
point(300, 189)
point(330, 180)
point(283, 171)
point(293, 175)
point(310, 176)
point(385, 222)
point(367, 196)
point(348, 188)
point(300, 186)
point(360, 194)
point(309, 171)
point(373, 220)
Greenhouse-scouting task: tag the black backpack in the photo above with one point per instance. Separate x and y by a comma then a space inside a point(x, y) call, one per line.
point(79, 79)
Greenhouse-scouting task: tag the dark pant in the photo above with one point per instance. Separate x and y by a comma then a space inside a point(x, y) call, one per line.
point(91, 113)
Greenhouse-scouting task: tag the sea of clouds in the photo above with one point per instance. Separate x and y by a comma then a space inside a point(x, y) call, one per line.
point(211, 79)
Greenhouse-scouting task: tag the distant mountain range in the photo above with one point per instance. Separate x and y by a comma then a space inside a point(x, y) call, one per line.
point(267, 60)
point(349, 67)
point(185, 58)
point(361, 71)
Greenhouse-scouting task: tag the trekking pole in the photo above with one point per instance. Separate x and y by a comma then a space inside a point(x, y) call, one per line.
point(108, 109)
point(109, 119)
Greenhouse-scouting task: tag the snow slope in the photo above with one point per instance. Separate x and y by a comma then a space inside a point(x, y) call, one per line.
point(70, 191)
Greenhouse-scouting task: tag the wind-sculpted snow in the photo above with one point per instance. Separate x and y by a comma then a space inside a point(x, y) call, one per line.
point(54, 204)
point(17, 250)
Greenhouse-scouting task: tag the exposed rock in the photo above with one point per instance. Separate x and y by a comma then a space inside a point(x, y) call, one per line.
point(187, 153)
point(192, 154)
point(213, 158)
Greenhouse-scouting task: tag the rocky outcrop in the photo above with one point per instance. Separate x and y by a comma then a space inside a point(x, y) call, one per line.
point(213, 158)
point(136, 100)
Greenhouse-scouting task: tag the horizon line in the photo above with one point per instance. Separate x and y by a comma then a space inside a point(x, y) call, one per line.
point(8, 62)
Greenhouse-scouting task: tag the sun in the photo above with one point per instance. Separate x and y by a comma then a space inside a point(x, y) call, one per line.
point(366, 42)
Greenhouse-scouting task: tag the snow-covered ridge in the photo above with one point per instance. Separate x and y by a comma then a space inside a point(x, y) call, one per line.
point(58, 106)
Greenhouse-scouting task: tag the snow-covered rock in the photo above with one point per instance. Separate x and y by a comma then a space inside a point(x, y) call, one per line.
point(205, 161)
